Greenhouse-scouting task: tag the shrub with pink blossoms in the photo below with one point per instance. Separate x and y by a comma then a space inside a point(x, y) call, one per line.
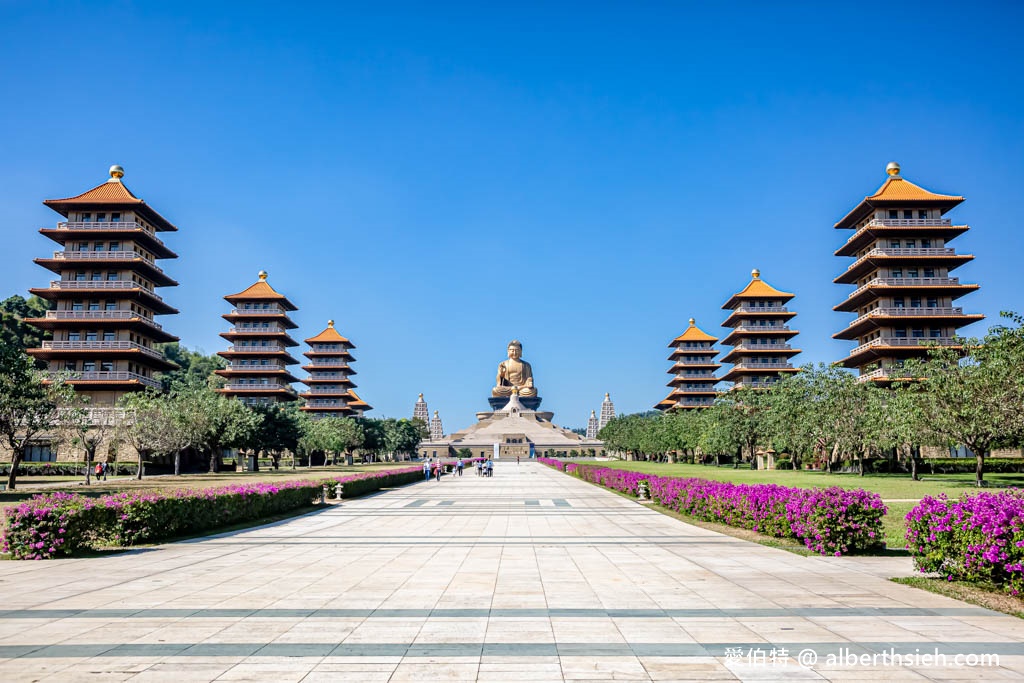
point(830, 521)
point(979, 538)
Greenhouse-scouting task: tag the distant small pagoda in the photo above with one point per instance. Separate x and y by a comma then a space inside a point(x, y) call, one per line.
point(607, 412)
point(258, 359)
point(760, 335)
point(421, 412)
point(693, 373)
point(592, 426)
point(330, 389)
point(436, 430)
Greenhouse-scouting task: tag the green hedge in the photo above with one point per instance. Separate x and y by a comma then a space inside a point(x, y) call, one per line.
point(64, 469)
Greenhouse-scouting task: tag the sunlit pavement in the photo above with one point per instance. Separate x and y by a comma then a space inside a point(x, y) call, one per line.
point(530, 575)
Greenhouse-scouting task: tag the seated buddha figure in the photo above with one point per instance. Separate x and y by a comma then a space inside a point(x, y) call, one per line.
point(514, 374)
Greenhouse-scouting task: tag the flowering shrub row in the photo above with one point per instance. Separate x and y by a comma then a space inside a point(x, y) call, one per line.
point(979, 538)
point(47, 526)
point(829, 521)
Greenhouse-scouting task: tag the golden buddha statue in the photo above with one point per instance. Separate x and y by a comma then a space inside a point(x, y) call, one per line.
point(514, 374)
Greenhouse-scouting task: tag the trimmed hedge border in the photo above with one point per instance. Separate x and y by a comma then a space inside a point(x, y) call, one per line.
point(50, 525)
point(978, 538)
point(64, 469)
point(829, 521)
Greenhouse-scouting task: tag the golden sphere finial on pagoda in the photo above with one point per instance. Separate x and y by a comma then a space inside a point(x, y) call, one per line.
point(330, 323)
point(116, 171)
point(435, 413)
point(755, 273)
point(421, 397)
point(607, 397)
point(692, 322)
point(263, 275)
point(893, 169)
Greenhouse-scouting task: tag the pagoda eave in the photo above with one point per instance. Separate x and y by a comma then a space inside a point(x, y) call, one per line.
point(875, 291)
point(736, 373)
point(736, 336)
point(278, 337)
point(950, 262)
point(143, 237)
point(236, 299)
point(138, 294)
point(735, 317)
point(866, 236)
point(280, 319)
point(155, 333)
point(256, 352)
point(867, 323)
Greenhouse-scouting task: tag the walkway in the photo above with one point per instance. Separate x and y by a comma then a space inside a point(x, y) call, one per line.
point(530, 575)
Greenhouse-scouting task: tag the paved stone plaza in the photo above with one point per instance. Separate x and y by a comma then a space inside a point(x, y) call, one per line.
point(528, 576)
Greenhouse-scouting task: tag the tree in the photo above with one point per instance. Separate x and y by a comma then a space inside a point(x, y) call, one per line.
point(194, 367)
point(89, 428)
point(209, 422)
point(374, 439)
point(30, 403)
point(148, 426)
point(278, 431)
point(400, 436)
point(331, 435)
point(971, 395)
point(13, 328)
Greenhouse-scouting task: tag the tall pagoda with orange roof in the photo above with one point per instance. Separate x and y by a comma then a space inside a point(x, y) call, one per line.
point(103, 327)
point(904, 293)
point(693, 374)
point(760, 336)
point(258, 360)
point(330, 389)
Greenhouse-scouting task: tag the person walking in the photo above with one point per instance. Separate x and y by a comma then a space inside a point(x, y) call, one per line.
point(489, 467)
point(426, 470)
point(459, 465)
point(439, 467)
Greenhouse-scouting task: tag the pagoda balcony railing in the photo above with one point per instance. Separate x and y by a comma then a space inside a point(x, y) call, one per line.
point(256, 329)
point(905, 282)
point(263, 311)
point(254, 368)
point(325, 403)
point(762, 347)
point(914, 223)
point(694, 402)
point(125, 226)
point(102, 284)
point(748, 365)
point(906, 341)
point(754, 384)
point(909, 311)
point(328, 364)
point(101, 346)
point(327, 390)
point(269, 348)
point(903, 251)
point(101, 256)
point(697, 390)
point(701, 361)
point(761, 309)
point(101, 315)
point(761, 328)
point(260, 387)
point(328, 375)
point(689, 377)
point(110, 376)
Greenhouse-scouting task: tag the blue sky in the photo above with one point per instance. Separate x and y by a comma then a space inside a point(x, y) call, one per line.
point(443, 178)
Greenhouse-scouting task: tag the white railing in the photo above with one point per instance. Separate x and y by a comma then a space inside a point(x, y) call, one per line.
point(259, 387)
point(325, 403)
point(268, 311)
point(760, 328)
point(748, 365)
point(270, 348)
point(119, 226)
point(255, 368)
point(696, 390)
point(328, 364)
point(101, 315)
point(704, 361)
point(694, 402)
point(337, 391)
point(906, 282)
point(761, 309)
point(102, 284)
point(695, 378)
point(762, 347)
point(243, 329)
point(908, 312)
point(101, 346)
point(741, 384)
point(100, 256)
point(908, 222)
point(906, 341)
point(902, 251)
point(112, 376)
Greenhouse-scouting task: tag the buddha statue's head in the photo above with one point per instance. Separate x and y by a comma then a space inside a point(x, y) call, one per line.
point(515, 349)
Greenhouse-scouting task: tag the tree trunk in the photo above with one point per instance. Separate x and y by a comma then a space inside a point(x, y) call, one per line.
point(16, 457)
point(914, 460)
point(979, 468)
point(90, 456)
point(139, 472)
point(177, 463)
point(213, 461)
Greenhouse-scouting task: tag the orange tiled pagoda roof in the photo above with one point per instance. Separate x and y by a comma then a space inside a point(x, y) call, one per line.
point(330, 336)
point(354, 400)
point(757, 289)
point(262, 291)
point(894, 191)
point(693, 333)
point(112, 193)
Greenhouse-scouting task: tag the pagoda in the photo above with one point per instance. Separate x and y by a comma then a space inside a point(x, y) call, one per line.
point(330, 387)
point(760, 336)
point(436, 430)
point(258, 359)
point(420, 411)
point(693, 374)
point(105, 300)
point(607, 412)
point(592, 426)
point(903, 296)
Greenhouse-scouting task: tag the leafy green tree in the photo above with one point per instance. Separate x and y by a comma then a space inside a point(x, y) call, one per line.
point(88, 428)
point(30, 404)
point(278, 431)
point(972, 396)
point(374, 441)
point(400, 436)
point(148, 426)
point(194, 367)
point(13, 328)
point(335, 435)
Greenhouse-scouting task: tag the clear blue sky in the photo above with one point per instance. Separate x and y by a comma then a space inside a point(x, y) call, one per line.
point(440, 178)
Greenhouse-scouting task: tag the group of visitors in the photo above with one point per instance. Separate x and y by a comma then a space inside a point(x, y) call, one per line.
point(434, 468)
point(101, 470)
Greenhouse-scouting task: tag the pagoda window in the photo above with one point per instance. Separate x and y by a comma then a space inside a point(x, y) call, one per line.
point(896, 272)
point(894, 214)
point(933, 302)
point(897, 301)
point(915, 302)
point(112, 275)
point(900, 332)
point(929, 272)
point(922, 214)
point(82, 246)
point(86, 217)
point(88, 366)
point(935, 332)
point(911, 244)
point(109, 336)
point(99, 246)
point(70, 365)
point(80, 275)
point(94, 305)
point(77, 306)
point(74, 336)
point(90, 335)
point(115, 246)
point(917, 332)
point(926, 243)
point(912, 272)
point(115, 217)
point(101, 218)
point(109, 305)
point(96, 275)
point(106, 366)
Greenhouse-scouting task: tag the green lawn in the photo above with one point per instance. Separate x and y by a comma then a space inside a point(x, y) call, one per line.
point(889, 486)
